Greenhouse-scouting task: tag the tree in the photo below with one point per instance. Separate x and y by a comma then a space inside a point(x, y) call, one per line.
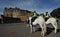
point(56, 13)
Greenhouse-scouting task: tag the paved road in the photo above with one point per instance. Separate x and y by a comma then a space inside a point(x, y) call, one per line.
point(21, 30)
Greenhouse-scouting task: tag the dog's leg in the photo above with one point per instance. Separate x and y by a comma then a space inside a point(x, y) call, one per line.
point(31, 28)
point(56, 27)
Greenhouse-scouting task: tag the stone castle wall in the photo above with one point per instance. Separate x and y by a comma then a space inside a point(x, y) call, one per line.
point(17, 13)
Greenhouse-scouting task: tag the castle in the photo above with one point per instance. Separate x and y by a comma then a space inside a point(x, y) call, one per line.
point(17, 13)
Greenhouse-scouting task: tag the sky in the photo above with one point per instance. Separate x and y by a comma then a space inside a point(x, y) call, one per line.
point(40, 6)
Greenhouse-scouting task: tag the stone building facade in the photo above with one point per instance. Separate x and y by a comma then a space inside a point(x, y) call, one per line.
point(17, 13)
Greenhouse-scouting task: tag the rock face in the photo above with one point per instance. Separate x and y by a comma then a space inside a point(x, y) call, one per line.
point(17, 13)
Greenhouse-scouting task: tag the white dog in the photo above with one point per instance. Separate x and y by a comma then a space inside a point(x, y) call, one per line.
point(53, 21)
point(40, 20)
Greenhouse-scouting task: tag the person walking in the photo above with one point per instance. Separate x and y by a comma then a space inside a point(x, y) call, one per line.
point(46, 16)
point(34, 14)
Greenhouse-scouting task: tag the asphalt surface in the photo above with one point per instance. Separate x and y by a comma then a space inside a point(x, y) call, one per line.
point(21, 30)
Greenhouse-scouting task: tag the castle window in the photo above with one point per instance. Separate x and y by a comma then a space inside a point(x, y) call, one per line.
point(11, 15)
point(6, 14)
